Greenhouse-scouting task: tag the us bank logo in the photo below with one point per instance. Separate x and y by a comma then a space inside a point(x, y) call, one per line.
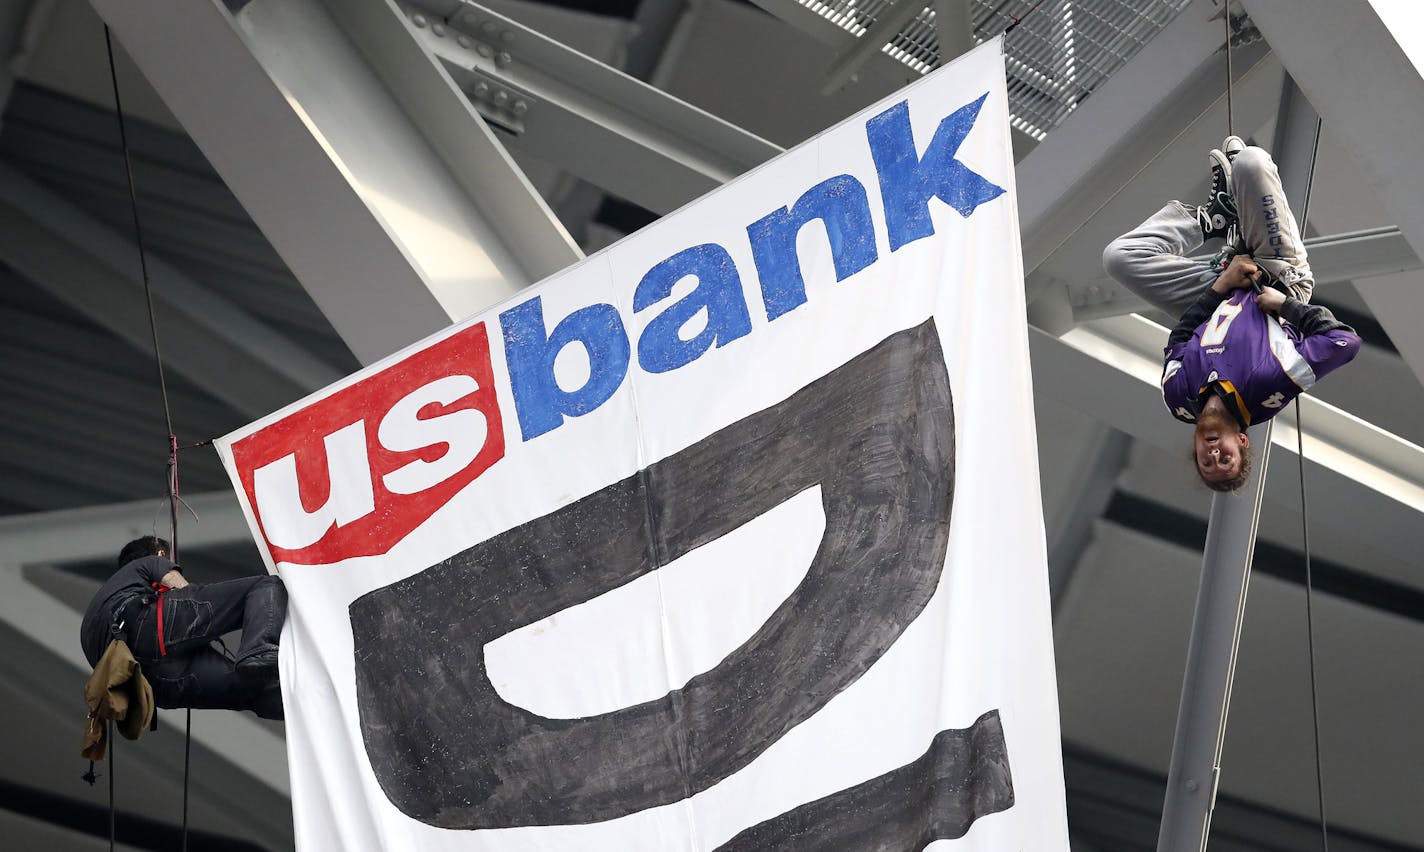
point(354, 473)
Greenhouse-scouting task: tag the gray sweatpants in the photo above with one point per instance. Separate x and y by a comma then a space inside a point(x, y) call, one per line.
point(1151, 259)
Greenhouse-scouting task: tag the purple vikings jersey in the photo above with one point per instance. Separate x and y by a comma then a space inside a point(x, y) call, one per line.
point(1255, 362)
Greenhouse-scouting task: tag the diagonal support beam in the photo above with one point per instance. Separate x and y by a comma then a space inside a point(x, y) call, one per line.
point(206, 338)
point(1360, 68)
point(1334, 259)
point(608, 128)
point(369, 172)
point(954, 27)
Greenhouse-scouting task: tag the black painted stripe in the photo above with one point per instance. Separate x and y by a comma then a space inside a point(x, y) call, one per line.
point(964, 775)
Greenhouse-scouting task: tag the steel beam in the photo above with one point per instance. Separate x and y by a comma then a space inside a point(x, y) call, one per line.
point(1095, 472)
point(1334, 259)
point(377, 183)
point(606, 127)
point(893, 18)
point(954, 28)
point(1360, 68)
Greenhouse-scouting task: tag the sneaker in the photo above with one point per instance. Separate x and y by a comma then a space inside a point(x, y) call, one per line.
point(1231, 146)
point(259, 664)
point(1218, 214)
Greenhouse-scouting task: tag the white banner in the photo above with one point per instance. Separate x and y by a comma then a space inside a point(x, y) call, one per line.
point(726, 538)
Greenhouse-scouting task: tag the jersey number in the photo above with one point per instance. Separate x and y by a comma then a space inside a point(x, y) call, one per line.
point(1215, 332)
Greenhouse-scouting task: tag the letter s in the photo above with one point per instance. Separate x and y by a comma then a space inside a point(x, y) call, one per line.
point(463, 432)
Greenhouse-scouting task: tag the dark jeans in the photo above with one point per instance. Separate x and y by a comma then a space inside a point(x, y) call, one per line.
point(193, 673)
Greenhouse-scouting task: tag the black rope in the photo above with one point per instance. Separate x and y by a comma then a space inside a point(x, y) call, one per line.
point(173, 447)
point(187, 761)
point(109, 735)
point(1305, 538)
point(1018, 19)
point(138, 231)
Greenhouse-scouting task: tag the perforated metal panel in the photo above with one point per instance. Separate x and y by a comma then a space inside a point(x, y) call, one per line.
point(1059, 53)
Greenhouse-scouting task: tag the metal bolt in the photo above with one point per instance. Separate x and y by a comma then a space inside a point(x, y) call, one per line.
point(1192, 785)
point(501, 98)
point(488, 27)
point(463, 41)
point(481, 89)
point(503, 59)
point(520, 107)
point(507, 36)
point(484, 50)
point(439, 30)
point(418, 19)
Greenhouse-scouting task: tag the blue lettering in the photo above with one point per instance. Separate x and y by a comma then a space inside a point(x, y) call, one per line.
point(719, 292)
point(843, 209)
point(530, 353)
point(907, 182)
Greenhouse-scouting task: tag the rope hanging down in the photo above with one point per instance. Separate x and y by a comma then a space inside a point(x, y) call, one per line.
point(1305, 538)
point(1300, 456)
point(173, 447)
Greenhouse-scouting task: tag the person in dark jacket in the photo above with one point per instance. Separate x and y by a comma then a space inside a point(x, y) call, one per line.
point(170, 624)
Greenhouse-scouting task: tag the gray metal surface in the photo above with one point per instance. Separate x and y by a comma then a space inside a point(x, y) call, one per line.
point(610, 129)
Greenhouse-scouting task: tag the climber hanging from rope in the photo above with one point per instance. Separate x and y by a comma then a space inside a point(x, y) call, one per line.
point(170, 625)
point(1248, 340)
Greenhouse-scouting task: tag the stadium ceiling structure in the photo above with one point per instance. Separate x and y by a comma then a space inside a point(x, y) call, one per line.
point(322, 182)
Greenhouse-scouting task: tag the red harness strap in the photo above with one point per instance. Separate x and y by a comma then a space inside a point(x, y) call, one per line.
point(160, 588)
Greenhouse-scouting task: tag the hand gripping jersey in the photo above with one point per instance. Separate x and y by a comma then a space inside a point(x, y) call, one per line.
point(1254, 361)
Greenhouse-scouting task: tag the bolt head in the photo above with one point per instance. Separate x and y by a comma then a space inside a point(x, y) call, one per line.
point(500, 98)
point(438, 29)
point(463, 41)
point(481, 89)
point(418, 19)
point(503, 59)
point(520, 107)
point(1192, 785)
point(487, 26)
point(507, 36)
point(485, 50)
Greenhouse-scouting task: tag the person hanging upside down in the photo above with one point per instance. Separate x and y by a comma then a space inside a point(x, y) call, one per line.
point(170, 624)
point(1248, 341)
